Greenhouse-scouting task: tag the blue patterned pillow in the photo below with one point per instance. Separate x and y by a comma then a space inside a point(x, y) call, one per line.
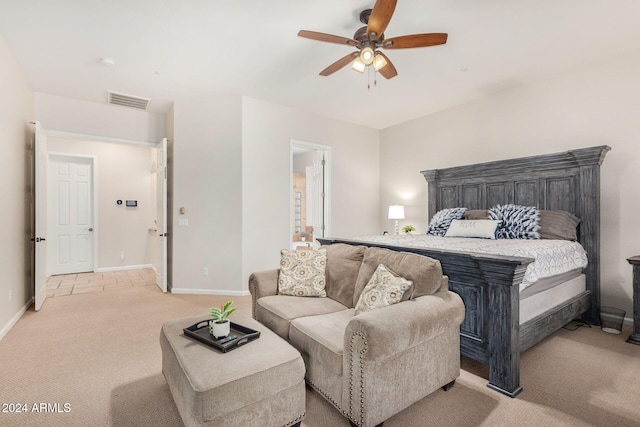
point(442, 220)
point(516, 222)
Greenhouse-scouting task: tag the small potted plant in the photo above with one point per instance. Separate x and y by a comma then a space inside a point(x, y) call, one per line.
point(408, 229)
point(220, 326)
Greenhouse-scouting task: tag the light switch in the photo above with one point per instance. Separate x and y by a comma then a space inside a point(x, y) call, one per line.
point(183, 222)
point(181, 211)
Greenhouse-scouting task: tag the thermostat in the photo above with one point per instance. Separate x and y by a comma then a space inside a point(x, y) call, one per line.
point(132, 203)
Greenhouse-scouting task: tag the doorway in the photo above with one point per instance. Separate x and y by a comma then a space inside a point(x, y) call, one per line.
point(130, 237)
point(309, 199)
point(71, 216)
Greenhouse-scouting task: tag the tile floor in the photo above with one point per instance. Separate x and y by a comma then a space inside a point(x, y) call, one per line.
point(80, 283)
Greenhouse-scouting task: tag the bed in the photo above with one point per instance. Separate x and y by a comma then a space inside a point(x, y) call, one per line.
point(489, 284)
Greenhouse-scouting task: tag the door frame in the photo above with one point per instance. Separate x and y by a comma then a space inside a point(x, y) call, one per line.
point(327, 181)
point(97, 138)
point(163, 232)
point(40, 210)
point(94, 195)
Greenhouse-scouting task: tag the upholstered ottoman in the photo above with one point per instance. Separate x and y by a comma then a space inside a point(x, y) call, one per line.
point(258, 384)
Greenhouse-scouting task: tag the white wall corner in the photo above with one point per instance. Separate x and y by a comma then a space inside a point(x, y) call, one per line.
point(15, 319)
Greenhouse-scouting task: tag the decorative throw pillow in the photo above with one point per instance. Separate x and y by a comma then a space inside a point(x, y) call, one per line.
point(481, 228)
point(442, 219)
point(559, 225)
point(384, 288)
point(516, 222)
point(476, 214)
point(302, 273)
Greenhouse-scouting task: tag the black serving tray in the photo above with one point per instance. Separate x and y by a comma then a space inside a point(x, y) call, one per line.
point(200, 331)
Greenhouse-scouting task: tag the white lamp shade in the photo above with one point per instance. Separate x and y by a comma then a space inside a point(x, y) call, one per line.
point(358, 65)
point(367, 55)
point(379, 62)
point(396, 212)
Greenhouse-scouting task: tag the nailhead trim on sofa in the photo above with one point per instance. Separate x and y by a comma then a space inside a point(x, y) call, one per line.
point(352, 375)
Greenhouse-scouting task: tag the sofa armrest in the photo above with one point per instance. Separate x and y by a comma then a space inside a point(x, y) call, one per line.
point(393, 329)
point(413, 342)
point(262, 284)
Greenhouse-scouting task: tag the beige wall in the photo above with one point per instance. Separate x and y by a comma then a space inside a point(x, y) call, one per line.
point(594, 106)
point(91, 118)
point(231, 174)
point(123, 172)
point(207, 164)
point(16, 111)
point(267, 130)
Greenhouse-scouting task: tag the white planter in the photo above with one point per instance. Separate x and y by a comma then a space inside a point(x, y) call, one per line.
point(219, 330)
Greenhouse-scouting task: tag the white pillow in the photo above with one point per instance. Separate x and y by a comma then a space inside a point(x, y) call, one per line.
point(482, 228)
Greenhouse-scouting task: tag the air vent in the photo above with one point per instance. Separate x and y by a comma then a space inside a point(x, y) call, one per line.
point(136, 102)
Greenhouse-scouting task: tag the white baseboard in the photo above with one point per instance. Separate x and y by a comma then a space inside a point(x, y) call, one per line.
point(185, 291)
point(123, 268)
point(15, 319)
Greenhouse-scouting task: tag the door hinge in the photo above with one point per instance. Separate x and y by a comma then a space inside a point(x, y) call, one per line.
point(322, 162)
point(165, 172)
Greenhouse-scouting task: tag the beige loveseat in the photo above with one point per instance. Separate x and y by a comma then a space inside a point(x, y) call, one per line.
point(373, 365)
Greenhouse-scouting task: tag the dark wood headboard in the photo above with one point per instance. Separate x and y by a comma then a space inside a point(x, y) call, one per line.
point(568, 181)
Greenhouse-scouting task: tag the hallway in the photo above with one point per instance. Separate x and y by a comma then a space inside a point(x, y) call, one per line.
point(81, 283)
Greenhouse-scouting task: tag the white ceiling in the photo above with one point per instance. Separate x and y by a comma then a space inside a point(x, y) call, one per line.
point(249, 47)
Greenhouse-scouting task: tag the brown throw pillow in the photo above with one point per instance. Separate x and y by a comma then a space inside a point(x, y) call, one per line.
point(559, 225)
point(475, 214)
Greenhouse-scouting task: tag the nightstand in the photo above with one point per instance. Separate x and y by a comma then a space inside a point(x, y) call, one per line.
point(634, 338)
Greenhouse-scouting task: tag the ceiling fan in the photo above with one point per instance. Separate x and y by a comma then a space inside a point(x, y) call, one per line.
point(370, 38)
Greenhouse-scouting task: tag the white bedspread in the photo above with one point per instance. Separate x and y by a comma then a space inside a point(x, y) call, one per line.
point(552, 257)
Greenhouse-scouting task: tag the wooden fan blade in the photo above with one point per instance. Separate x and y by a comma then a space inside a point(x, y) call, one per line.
point(330, 38)
point(415, 40)
point(388, 71)
point(339, 64)
point(380, 17)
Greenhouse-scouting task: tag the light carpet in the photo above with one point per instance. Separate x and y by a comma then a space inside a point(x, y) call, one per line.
point(94, 360)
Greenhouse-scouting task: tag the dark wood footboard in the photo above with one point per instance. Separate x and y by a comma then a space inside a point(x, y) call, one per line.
point(489, 288)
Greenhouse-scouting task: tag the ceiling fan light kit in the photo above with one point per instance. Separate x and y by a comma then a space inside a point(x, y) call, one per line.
point(379, 63)
point(371, 37)
point(366, 55)
point(358, 65)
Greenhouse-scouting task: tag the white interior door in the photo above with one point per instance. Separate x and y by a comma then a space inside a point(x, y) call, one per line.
point(71, 228)
point(161, 215)
point(40, 215)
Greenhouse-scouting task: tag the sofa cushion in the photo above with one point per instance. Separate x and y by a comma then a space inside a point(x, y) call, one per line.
point(277, 311)
point(322, 337)
point(302, 273)
point(384, 288)
point(343, 264)
point(424, 272)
